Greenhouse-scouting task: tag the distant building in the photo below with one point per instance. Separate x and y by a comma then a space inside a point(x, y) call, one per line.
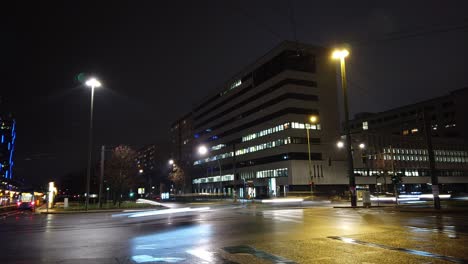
point(395, 142)
point(448, 115)
point(148, 165)
point(7, 146)
point(255, 125)
point(182, 147)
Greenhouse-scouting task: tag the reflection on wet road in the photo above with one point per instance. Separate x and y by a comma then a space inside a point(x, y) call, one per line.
point(236, 234)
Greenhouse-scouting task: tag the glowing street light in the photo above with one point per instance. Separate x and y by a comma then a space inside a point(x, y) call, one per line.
point(341, 55)
point(171, 162)
point(93, 83)
point(362, 146)
point(313, 119)
point(340, 144)
point(202, 150)
point(140, 171)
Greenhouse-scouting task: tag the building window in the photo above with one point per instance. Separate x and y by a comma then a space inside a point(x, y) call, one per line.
point(365, 125)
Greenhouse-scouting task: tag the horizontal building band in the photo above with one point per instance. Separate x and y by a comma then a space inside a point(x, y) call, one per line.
point(254, 97)
point(274, 101)
point(290, 59)
point(285, 111)
point(265, 160)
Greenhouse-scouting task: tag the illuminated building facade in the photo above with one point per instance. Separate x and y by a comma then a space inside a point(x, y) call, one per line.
point(255, 127)
point(7, 146)
point(396, 143)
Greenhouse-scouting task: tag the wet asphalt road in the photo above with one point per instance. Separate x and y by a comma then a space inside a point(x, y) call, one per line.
point(236, 234)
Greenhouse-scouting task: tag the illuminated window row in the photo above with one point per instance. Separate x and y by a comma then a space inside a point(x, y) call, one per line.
point(283, 172)
point(424, 152)
point(239, 152)
point(425, 158)
point(364, 172)
point(227, 177)
point(266, 145)
point(279, 128)
point(219, 146)
point(233, 85)
point(265, 132)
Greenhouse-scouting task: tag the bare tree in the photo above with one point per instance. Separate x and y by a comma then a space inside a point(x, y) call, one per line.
point(177, 176)
point(121, 171)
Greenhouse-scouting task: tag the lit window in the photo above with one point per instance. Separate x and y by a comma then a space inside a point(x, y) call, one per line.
point(365, 125)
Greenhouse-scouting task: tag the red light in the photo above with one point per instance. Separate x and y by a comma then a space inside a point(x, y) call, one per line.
point(18, 203)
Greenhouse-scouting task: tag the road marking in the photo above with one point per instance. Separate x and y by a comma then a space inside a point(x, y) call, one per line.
point(244, 249)
point(405, 250)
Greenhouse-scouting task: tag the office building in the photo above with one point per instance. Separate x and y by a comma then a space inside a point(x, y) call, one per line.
point(255, 126)
point(395, 143)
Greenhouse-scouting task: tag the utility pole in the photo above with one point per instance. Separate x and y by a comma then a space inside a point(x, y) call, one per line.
point(430, 150)
point(352, 179)
point(394, 176)
point(310, 162)
point(101, 179)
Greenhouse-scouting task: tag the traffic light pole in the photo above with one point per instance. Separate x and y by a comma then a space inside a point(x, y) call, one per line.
point(430, 150)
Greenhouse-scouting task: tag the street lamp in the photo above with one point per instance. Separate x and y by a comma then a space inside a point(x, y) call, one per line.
point(171, 162)
point(313, 121)
point(341, 55)
point(340, 144)
point(93, 83)
point(362, 146)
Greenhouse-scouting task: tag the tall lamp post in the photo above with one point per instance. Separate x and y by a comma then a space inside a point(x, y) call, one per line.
point(93, 83)
point(313, 121)
point(341, 55)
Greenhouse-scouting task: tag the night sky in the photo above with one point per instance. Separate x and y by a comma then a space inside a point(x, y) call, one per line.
point(156, 59)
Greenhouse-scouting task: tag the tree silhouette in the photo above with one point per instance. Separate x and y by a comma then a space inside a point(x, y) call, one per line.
point(121, 171)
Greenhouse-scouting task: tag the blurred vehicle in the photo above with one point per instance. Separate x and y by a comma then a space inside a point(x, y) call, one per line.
point(26, 201)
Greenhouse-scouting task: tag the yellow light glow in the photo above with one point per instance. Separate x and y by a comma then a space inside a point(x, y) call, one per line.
point(339, 54)
point(313, 119)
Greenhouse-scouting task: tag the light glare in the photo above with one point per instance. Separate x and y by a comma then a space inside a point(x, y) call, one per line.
point(340, 144)
point(340, 54)
point(93, 82)
point(202, 150)
point(313, 119)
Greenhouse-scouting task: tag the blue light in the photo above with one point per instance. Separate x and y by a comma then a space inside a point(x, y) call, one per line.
point(8, 145)
point(3, 138)
point(6, 174)
point(196, 135)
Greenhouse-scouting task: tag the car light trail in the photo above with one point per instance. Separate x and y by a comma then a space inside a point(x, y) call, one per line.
point(291, 200)
point(168, 211)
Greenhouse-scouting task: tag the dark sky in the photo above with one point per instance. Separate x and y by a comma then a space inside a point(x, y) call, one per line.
point(156, 59)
